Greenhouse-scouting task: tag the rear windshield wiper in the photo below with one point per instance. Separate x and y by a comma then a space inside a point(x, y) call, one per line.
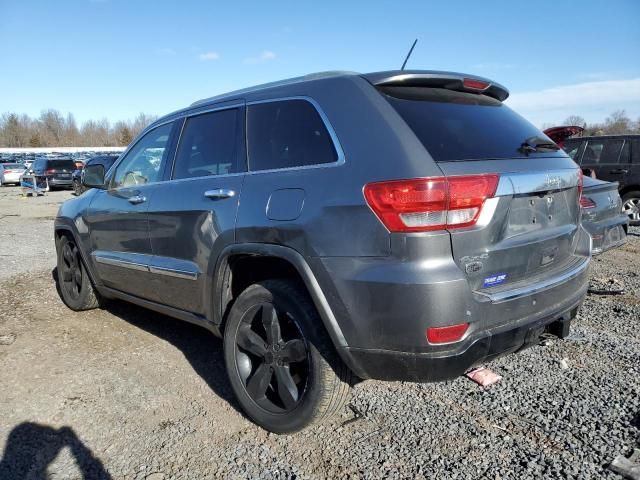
point(537, 144)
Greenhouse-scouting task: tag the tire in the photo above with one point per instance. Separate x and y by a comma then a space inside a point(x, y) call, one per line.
point(74, 285)
point(286, 385)
point(631, 202)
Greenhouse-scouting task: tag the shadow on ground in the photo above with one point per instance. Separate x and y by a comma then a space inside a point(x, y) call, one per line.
point(200, 347)
point(32, 447)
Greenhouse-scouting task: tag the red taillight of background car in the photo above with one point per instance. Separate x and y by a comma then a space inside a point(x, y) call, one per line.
point(448, 334)
point(50, 172)
point(586, 202)
point(424, 204)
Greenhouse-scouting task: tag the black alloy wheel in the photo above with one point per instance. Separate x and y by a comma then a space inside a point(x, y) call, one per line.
point(272, 358)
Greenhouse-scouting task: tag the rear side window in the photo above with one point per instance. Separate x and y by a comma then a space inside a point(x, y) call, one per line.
point(602, 151)
point(208, 145)
point(635, 151)
point(573, 147)
point(463, 126)
point(286, 134)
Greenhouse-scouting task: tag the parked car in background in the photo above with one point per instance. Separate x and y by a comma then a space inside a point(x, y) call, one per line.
point(10, 173)
point(613, 158)
point(415, 231)
point(602, 214)
point(58, 171)
point(105, 160)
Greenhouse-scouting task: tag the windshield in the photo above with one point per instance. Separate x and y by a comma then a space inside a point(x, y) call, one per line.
point(464, 126)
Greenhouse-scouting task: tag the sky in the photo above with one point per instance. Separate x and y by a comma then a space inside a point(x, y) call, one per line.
point(115, 58)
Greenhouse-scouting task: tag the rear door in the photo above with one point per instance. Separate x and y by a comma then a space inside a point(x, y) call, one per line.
point(117, 217)
point(192, 215)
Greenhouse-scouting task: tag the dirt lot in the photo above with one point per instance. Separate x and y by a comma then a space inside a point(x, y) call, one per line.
point(127, 393)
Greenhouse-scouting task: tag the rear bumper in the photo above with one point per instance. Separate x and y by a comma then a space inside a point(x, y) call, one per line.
point(58, 182)
point(386, 306)
point(424, 367)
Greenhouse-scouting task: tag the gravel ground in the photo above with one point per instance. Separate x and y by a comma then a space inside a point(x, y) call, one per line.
point(128, 393)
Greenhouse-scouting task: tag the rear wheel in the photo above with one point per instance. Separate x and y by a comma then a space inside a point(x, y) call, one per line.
point(281, 363)
point(74, 284)
point(631, 207)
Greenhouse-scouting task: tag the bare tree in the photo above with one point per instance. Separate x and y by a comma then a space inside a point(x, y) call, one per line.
point(576, 120)
point(618, 123)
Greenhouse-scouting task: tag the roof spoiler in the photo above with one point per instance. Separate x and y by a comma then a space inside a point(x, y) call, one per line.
point(448, 80)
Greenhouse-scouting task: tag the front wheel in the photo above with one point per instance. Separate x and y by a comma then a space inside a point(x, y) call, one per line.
point(631, 207)
point(74, 284)
point(281, 363)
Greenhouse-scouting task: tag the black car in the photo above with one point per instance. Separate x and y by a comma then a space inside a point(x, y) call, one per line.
point(613, 158)
point(105, 160)
point(58, 171)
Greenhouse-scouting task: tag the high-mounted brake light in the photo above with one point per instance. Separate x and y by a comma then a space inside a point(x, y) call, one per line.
point(473, 84)
point(448, 334)
point(436, 203)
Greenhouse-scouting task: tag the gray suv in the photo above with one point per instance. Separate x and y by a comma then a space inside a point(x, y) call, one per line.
point(401, 225)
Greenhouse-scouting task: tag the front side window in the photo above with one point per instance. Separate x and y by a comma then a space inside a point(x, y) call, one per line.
point(286, 134)
point(602, 151)
point(142, 163)
point(208, 145)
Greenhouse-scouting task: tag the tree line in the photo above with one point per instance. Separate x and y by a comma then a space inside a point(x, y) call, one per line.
point(52, 129)
point(618, 123)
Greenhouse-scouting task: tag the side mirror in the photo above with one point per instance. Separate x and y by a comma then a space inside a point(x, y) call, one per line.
point(93, 176)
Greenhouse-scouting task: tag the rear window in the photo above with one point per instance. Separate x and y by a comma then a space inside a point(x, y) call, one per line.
point(602, 151)
point(286, 134)
point(11, 166)
point(62, 164)
point(463, 126)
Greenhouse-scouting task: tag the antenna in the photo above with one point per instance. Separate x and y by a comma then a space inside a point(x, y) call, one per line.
point(409, 54)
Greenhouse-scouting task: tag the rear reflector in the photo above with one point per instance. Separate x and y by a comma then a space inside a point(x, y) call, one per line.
point(472, 84)
point(451, 333)
point(424, 204)
point(586, 202)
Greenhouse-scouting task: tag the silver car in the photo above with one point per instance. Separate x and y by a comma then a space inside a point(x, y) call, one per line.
point(10, 173)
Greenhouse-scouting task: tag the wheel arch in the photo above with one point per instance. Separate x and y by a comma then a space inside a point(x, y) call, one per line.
point(293, 265)
point(64, 228)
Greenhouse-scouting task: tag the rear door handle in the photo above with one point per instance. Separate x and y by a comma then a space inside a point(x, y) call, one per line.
point(136, 199)
point(618, 170)
point(219, 193)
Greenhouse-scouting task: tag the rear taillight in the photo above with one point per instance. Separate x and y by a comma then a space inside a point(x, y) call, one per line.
point(448, 334)
point(586, 202)
point(424, 204)
point(50, 171)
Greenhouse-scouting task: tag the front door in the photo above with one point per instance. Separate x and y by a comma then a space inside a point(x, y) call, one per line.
point(192, 215)
point(117, 216)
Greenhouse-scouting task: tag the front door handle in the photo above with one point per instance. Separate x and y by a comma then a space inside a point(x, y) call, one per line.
point(136, 199)
point(219, 193)
point(618, 170)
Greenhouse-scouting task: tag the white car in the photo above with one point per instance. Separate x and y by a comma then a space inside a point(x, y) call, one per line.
point(10, 173)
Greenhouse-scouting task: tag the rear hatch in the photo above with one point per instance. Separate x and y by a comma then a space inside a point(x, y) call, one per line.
point(60, 169)
point(528, 230)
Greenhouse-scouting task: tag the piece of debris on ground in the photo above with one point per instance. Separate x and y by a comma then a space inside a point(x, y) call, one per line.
point(483, 376)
